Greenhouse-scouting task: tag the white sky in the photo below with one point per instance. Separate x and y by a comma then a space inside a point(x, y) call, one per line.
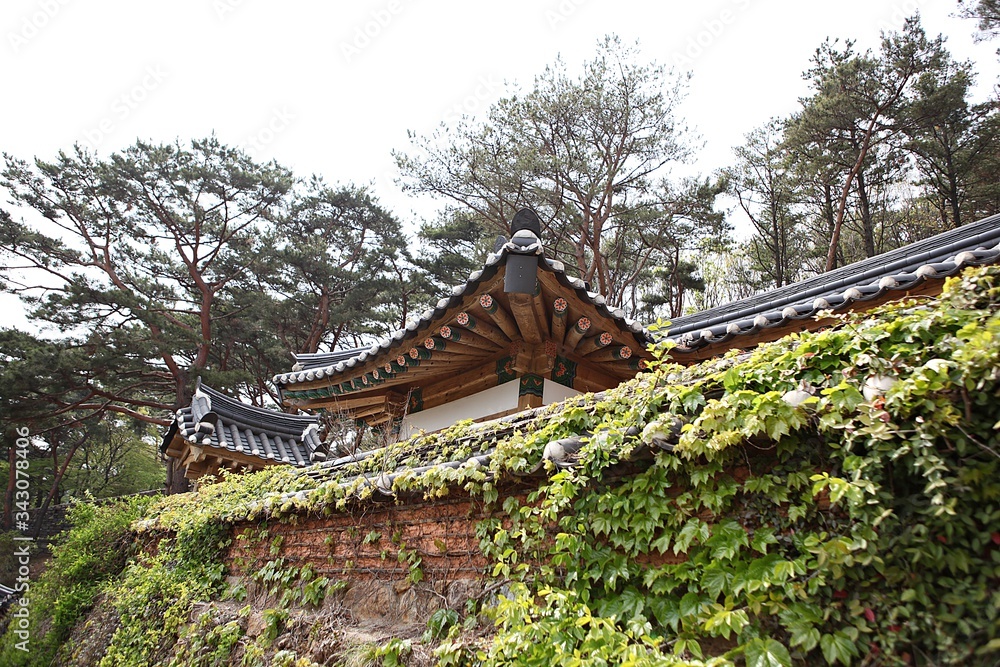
point(332, 87)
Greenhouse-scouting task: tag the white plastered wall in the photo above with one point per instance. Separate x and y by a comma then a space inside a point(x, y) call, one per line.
point(482, 404)
point(553, 392)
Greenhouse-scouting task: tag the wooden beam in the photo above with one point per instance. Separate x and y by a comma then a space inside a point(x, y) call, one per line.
point(576, 332)
point(522, 306)
point(372, 392)
point(434, 366)
point(538, 305)
point(526, 401)
point(590, 375)
point(594, 343)
point(438, 344)
point(468, 302)
point(348, 404)
point(559, 309)
point(407, 361)
point(195, 454)
point(614, 354)
point(425, 355)
point(451, 388)
point(500, 316)
point(465, 337)
point(176, 446)
point(193, 471)
point(590, 311)
point(482, 328)
point(197, 468)
point(212, 464)
point(368, 412)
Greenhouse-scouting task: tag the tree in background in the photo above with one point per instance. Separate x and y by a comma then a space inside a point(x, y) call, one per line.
point(948, 138)
point(887, 149)
point(728, 275)
point(140, 254)
point(454, 244)
point(165, 262)
point(121, 458)
point(987, 15)
point(763, 184)
point(339, 274)
point(590, 155)
point(68, 451)
point(851, 120)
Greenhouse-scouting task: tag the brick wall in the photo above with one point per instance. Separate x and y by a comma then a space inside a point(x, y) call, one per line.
point(361, 547)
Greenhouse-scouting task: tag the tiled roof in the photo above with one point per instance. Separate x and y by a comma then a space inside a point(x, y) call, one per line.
point(218, 421)
point(900, 270)
point(476, 448)
point(307, 362)
point(319, 366)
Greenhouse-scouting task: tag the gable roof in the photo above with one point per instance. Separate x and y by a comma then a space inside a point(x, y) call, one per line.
point(440, 333)
point(920, 267)
point(237, 431)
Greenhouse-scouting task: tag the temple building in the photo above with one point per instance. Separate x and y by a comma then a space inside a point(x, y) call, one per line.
point(522, 333)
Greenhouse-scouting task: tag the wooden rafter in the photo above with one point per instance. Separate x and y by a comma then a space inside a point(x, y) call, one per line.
point(560, 309)
point(464, 337)
point(594, 343)
point(617, 353)
point(576, 332)
point(481, 328)
point(523, 308)
point(500, 316)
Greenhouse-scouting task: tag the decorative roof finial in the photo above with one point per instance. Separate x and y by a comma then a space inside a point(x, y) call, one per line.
point(526, 218)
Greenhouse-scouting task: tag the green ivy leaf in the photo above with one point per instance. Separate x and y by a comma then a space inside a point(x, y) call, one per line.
point(690, 604)
point(838, 647)
point(767, 653)
point(662, 543)
point(715, 580)
point(694, 527)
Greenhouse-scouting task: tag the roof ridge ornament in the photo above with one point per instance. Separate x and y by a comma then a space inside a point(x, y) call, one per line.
point(523, 251)
point(526, 219)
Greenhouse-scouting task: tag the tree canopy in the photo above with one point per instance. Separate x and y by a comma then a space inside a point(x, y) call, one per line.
point(888, 147)
point(162, 263)
point(592, 154)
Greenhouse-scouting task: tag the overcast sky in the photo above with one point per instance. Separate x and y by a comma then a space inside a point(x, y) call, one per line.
point(333, 87)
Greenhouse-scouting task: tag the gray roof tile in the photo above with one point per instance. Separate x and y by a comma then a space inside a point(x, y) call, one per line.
point(217, 421)
point(932, 259)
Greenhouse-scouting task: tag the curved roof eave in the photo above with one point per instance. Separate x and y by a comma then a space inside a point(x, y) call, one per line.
point(432, 316)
